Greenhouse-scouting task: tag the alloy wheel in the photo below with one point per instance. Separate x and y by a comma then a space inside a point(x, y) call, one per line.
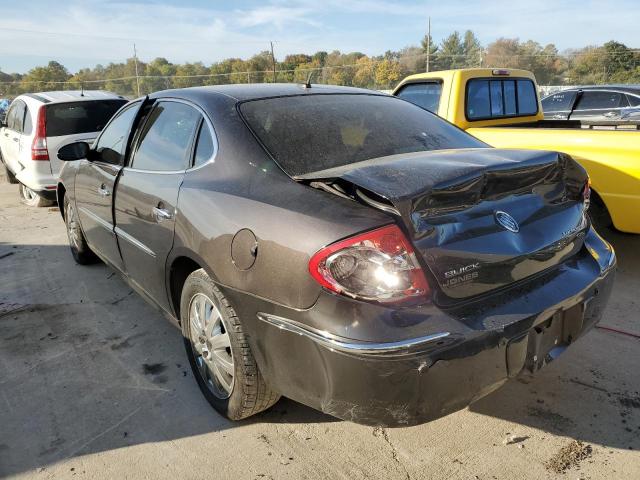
point(211, 345)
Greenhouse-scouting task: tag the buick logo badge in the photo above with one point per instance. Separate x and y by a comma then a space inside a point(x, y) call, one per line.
point(507, 221)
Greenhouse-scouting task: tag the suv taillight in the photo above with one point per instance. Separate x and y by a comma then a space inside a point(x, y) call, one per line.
point(379, 265)
point(39, 145)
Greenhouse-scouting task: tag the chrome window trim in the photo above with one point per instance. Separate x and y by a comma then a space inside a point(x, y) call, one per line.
point(136, 243)
point(332, 342)
point(100, 221)
point(212, 130)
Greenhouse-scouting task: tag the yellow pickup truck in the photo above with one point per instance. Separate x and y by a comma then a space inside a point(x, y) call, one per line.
point(501, 107)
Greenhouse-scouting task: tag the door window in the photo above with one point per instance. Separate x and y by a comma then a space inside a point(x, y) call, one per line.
point(15, 117)
point(599, 100)
point(166, 138)
point(425, 95)
point(633, 100)
point(113, 141)
point(558, 102)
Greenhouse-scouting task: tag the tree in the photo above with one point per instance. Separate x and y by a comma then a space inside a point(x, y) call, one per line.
point(472, 50)
point(46, 78)
point(387, 73)
point(429, 48)
point(451, 54)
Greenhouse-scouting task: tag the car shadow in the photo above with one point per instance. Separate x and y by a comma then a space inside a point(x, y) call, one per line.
point(87, 366)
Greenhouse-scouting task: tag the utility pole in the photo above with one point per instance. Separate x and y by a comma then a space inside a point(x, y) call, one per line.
point(428, 44)
point(273, 59)
point(135, 59)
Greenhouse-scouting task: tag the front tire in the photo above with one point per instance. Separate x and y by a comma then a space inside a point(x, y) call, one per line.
point(80, 250)
point(32, 198)
point(219, 353)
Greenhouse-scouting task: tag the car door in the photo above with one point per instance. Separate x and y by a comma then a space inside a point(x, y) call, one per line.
point(557, 106)
point(147, 193)
point(599, 105)
point(12, 136)
point(94, 185)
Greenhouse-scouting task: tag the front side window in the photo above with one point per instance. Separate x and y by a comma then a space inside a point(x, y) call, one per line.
point(558, 102)
point(309, 133)
point(495, 98)
point(165, 139)
point(425, 95)
point(113, 141)
point(599, 100)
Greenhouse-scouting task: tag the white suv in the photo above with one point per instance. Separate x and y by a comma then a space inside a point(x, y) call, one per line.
point(37, 125)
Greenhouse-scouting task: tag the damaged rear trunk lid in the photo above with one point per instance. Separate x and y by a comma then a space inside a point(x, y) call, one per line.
point(480, 219)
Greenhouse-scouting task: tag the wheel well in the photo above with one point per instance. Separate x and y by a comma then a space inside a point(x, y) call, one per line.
point(61, 192)
point(181, 268)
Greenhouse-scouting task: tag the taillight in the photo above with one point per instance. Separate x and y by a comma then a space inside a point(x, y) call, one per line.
point(39, 145)
point(379, 265)
point(586, 193)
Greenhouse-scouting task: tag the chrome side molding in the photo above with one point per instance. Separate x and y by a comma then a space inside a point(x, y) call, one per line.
point(332, 342)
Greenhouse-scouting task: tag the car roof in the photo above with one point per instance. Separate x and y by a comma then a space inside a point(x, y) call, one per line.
point(253, 91)
point(73, 96)
point(626, 88)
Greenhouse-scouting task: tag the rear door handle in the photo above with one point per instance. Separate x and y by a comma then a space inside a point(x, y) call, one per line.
point(103, 191)
point(161, 214)
point(610, 114)
point(16, 139)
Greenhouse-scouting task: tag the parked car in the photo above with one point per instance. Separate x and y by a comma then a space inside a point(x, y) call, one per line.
point(501, 107)
point(338, 246)
point(38, 124)
point(4, 106)
point(592, 104)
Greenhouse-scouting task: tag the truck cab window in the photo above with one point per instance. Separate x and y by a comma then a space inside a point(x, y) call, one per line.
point(495, 98)
point(425, 95)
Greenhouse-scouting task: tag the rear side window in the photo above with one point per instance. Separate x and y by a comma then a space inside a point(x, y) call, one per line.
point(597, 100)
point(309, 133)
point(425, 95)
point(80, 117)
point(15, 119)
point(633, 100)
point(166, 137)
point(204, 147)
point(495, 98)
point(558, 102)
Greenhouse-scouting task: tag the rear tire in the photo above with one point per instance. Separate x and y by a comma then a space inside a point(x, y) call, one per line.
point(80, 250)
point(236, 396)
point(600, 217)
point(33, 199)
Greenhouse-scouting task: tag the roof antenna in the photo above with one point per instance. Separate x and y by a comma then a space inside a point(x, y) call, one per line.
point(82, 89)
point(307, 84)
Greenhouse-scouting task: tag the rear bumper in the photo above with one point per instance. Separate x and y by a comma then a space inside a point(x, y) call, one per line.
point(462, 356)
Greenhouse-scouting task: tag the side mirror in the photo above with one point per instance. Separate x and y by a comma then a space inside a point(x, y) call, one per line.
point(74, 151)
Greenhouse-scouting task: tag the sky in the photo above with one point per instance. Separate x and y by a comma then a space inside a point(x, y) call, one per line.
point(85, 33)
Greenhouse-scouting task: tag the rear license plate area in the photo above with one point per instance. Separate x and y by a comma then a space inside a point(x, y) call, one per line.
point(550, 338)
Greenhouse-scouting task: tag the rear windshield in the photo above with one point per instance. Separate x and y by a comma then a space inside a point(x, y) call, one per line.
point(310, 133)
point(490, 98)
point(80, 117)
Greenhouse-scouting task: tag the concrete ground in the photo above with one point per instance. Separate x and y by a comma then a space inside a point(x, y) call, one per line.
point(95, 384)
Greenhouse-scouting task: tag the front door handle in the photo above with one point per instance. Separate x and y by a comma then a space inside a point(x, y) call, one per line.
point(161, 214)
point(103, 191)
point(16, 139)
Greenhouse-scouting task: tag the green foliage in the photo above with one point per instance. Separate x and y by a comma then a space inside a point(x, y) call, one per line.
point(609, 63)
